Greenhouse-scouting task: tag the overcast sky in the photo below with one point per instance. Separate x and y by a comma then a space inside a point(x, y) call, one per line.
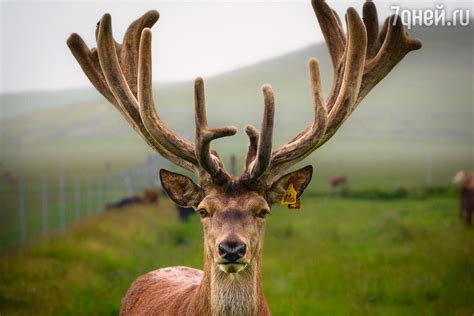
point(193, 38)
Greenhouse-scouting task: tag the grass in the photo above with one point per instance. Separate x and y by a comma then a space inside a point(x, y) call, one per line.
point(333, 257)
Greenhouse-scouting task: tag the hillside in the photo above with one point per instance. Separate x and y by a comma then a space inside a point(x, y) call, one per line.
point(424, 107)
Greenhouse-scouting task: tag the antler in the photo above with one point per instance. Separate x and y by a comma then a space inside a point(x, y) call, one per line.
point(360, 61)
point(122, 74)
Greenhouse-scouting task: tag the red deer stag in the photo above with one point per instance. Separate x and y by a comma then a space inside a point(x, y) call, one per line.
point(233, 209)
point(466, 194)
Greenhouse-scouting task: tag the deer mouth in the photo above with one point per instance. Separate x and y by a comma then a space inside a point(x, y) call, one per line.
point(231, 267)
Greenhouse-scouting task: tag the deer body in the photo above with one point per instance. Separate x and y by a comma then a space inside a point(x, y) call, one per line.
point(187, 291)
point(466, 195)
point(233, 209)
point(337, 181)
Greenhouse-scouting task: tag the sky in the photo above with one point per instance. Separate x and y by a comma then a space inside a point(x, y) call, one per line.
point(192, 38)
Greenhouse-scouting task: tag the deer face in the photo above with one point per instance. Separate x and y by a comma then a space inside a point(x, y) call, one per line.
point(233, 215)
point(233, 226)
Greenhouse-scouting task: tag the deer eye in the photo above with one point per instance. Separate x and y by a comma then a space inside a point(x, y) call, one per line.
point(202, 212)
point(263, 213)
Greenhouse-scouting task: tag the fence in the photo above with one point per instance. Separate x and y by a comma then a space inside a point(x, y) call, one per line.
point(34, 206)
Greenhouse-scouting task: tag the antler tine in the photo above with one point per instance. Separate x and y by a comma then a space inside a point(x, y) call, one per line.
point(353, 70)
point(371, 22)
point(131, 41)
point(253, 135)
point(111, 68)
point(154, 125)
point(331, 28)
point(307, 140)
point(263, 152)
point(89, 62)
point(204, 136)
point(396, 44)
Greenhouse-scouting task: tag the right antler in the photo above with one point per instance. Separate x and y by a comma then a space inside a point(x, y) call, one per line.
point(122, 73)
point(360, 61)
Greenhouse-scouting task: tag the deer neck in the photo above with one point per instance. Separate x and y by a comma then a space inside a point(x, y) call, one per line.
point(231, 294)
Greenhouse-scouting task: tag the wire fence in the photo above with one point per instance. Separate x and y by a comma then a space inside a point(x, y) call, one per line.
point(35, 206)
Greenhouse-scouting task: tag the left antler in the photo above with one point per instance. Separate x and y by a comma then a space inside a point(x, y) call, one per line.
point(360, 61)
point(122, 73)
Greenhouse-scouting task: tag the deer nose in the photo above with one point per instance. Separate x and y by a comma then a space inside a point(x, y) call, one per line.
point(232, 251)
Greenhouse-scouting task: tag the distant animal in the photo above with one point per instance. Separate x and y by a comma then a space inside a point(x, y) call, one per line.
point(127, 201)
point(233, 209)
point(465, 179)
point(184, 212)
point(337, 181)
point(10, 178)
point(150, 196)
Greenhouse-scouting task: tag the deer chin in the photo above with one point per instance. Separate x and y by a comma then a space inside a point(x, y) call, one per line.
point(231, 268)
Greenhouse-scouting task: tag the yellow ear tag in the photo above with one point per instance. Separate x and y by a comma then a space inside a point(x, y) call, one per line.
point(289, 197)
point(296, 205)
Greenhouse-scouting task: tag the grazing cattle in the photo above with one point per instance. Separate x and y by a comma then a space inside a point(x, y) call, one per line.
point(337, 181)
point(466, 206)
point(233, 209)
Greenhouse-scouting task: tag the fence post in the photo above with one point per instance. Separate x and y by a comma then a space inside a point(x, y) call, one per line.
point(97, 196)
point(128, 183)
point(61, 201)
point(429, 169)
point(89, 196)
point(44, 199)
point(21, 195)
point(77, 198)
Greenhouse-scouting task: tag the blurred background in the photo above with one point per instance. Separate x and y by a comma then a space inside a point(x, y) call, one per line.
point(379, 231)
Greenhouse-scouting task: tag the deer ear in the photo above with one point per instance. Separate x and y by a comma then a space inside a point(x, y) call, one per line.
point(299, 178)
point(182, 190)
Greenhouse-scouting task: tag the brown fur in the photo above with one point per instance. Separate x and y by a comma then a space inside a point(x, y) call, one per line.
point(150, 195)
point(466, 195)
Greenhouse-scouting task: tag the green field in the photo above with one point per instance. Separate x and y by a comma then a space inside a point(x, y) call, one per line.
point(333, 257)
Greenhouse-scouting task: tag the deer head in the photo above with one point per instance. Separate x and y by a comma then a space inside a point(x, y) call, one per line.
point(233, 209)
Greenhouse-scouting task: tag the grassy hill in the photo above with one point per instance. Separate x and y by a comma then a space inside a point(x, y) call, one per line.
point(423, 111)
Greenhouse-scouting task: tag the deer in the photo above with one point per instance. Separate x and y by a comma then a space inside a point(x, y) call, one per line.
point(337, 181)
point(233, 209)
point(465, 180)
